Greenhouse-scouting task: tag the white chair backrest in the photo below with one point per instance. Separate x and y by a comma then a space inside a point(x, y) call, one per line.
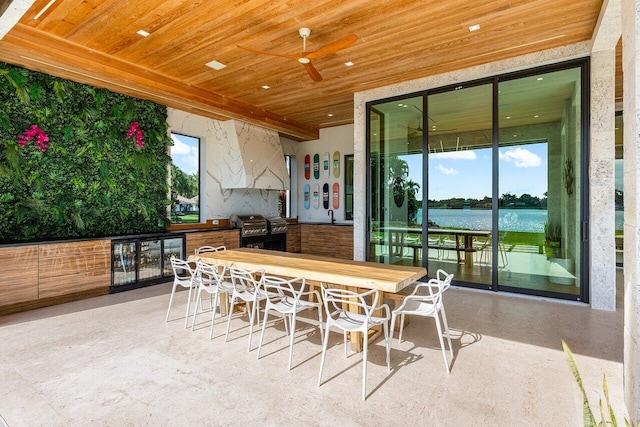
point(181, 269)
point(205, 249)
point(210, 273)
point(245, 280)
point(437, 286)
point(335, 300)
point(278, 288)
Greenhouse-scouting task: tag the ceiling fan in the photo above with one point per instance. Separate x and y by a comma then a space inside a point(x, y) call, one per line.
point(305, 57)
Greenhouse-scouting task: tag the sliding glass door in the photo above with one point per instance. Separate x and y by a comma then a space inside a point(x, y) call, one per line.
point(540, 154)
point(485, 180)
point(460, 182)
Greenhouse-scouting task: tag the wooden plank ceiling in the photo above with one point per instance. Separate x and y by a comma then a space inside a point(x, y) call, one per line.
point(95, 42)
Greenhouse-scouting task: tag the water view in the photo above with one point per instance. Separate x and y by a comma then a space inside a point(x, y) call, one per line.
point(529, 220)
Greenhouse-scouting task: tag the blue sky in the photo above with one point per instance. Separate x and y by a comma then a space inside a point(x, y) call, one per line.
point(467, 173)
point(184, 153)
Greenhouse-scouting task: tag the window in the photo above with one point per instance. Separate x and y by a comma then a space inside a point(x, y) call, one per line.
point(348, 187)
point(284, 199)
point(185, 179)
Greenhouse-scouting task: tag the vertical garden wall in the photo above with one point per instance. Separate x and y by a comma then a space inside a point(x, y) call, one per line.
point(77, 161)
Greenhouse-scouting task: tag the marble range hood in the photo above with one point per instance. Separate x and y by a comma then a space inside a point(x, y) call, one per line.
point(252, 157)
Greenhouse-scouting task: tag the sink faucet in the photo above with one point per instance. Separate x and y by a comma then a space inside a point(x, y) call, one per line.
point(330, 212)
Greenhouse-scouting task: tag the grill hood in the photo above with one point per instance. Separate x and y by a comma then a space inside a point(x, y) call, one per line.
point(252, 157)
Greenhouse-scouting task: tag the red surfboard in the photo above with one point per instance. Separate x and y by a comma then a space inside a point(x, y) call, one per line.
point(307, 166)
point(336, 195)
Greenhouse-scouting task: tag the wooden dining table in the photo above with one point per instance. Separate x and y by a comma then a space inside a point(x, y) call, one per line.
point(317, 270)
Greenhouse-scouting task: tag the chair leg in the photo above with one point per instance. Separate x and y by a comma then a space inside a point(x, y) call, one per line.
point(446, 330)
point(345, 344)
point(365, 345)
point(173, 291)
point(198, 301)
point(444, 352)
point(186, 319)
point(324, 353)
point(393, 323)
point(320, 324)
point(264, 326)
point(251, 318)
point(401, 328)
point(213, 316)
point(387, 344)
point(233, 302)
point(293, 330)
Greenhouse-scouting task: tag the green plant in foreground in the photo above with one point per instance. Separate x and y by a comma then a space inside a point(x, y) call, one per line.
point(608, 417)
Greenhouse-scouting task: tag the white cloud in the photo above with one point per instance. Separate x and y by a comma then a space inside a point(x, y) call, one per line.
point(454, 155)
point(185, 157)
point(521, 157)
point(179, 147)
point(447, 171)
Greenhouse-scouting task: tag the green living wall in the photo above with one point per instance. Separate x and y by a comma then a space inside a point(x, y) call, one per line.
point(77, 161)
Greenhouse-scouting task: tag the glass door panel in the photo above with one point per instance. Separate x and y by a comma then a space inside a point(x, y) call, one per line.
point(538, 241)
point(150, 260)
point(124, 263)
point(460, 183)
point(172, 248)
point(396, 134)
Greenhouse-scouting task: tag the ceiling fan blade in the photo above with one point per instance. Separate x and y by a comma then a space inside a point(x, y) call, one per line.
point(282, 55)
point(344, 42)
point(315, 75)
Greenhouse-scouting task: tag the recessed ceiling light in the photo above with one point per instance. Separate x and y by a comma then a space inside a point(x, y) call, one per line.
point(540, 78)
point(400, 105)
point(508, 117)
point(474, 27)
point(330, 115)
point(404, 105)
point(536, 115)
point(266, 87)
point(143, 33)
point(349, 64)
point(515, 136)
point(215, 65)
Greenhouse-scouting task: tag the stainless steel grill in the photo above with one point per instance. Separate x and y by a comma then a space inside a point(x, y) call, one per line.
point(256, 231)
point(250, 225)
point(277, 225)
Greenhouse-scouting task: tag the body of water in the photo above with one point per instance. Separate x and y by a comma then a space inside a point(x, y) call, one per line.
point(530, 220)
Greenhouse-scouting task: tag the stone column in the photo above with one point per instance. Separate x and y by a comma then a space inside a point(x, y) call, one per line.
point(631, 70)
point(602, 268)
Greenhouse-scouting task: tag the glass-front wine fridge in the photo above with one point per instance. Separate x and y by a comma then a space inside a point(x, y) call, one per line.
point(143, 261)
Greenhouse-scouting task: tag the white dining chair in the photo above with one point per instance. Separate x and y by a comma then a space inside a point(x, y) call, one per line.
point(288, 298)
point(426, 300)
point(183, 276)
point(361, 319)
point(247, 287)
point(205, 249)
point(210, 279)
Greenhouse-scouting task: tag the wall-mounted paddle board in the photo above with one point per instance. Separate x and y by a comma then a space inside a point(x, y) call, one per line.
point(325, 165)
point(316, 166)
point(307, 202)
point(307, 166)
point(316, 195)
point(336, 195)
point(325, 196)
point(336, 164)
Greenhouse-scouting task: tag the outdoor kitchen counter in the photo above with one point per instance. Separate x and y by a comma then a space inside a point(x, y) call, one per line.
point(327, 240)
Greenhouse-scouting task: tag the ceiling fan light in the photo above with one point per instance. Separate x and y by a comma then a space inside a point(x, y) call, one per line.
point(304, 60)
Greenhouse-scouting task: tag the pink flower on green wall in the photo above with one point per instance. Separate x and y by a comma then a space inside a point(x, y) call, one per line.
point(32, 132)
point(134, 131)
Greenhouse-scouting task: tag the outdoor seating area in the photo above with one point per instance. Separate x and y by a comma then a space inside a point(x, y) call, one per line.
point(126, 366)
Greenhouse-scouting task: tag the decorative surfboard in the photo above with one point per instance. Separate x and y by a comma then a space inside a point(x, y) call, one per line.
point(307, 202)
point(307, 166)
point(325, 196)
point(336, 195)
point(316, 166)
point(336, 164)
point(316, 195)
point(325, 165)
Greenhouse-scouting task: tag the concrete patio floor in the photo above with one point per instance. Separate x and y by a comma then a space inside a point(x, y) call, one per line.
point(113, 361)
